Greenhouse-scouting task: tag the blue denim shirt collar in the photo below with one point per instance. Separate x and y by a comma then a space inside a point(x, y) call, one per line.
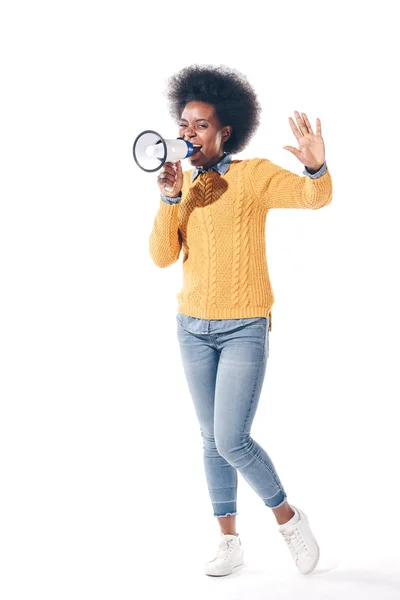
point(221, 167)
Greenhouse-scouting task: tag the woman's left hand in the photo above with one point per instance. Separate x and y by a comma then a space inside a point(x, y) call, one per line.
point(311, 150)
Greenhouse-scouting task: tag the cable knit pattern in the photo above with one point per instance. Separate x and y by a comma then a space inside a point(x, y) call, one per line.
point(212, 249)
point(237, 222)
point(245, 245)
point(220, 226)
point(202, 225)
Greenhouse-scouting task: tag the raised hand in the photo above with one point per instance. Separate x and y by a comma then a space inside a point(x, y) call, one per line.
point(311, 150)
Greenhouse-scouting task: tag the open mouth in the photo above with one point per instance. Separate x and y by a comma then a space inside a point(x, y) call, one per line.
point(196, 148)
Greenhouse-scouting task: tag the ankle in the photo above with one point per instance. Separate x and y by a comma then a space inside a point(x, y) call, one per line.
point(284, 513)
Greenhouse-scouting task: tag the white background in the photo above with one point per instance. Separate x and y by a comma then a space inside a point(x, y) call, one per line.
point(102, 487)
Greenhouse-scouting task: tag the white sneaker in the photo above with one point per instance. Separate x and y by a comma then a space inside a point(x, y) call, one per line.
point(302, 544)
point(229, 557)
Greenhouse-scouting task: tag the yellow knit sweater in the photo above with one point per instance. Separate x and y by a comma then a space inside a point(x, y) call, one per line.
point(220, 227)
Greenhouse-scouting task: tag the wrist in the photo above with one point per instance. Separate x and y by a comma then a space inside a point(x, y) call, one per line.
point(313, 168)
point(172, 196)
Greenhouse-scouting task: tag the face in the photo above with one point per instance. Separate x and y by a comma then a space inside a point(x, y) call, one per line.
point(200, 125)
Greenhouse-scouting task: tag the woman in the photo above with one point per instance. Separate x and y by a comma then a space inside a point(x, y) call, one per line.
point(216, 213)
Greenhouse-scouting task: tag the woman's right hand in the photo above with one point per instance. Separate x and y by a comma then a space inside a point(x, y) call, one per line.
point(170, 179)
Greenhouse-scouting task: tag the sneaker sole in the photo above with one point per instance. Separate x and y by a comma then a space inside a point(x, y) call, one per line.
point(224, 574)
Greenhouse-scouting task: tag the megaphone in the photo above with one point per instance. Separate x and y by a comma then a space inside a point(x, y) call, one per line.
point(151, 150)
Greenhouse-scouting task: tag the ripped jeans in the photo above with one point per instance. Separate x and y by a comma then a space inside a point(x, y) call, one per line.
point(224, 363)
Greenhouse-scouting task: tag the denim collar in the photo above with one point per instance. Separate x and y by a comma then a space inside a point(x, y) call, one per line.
point(221, 167)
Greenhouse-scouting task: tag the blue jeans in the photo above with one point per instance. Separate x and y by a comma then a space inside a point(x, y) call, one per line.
point(224, 364)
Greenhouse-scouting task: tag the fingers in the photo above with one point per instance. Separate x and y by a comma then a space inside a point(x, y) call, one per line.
point(303, 125)
point(307, 122)
point(294, 129)
point(300, 123)
point(168, 168)
point(170, 178)
point(166, 180)
point(167, 175)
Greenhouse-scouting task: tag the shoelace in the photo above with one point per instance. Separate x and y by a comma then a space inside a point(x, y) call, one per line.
point(224, 549)
point(295, 541)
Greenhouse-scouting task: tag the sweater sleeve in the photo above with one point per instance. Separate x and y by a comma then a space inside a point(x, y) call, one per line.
point(275, 187)
point(165, 240)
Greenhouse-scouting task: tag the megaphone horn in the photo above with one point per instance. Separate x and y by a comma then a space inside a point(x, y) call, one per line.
point(151, 150)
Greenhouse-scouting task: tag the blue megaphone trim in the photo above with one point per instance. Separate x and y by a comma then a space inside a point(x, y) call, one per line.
point(189, 145)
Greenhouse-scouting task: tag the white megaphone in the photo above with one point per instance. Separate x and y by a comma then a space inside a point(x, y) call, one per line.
point(151, 150)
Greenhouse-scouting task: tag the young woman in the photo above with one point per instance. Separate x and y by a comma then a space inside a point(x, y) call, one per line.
point(215, 214)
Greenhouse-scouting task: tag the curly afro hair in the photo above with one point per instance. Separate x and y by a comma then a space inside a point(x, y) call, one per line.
point(230, 93)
